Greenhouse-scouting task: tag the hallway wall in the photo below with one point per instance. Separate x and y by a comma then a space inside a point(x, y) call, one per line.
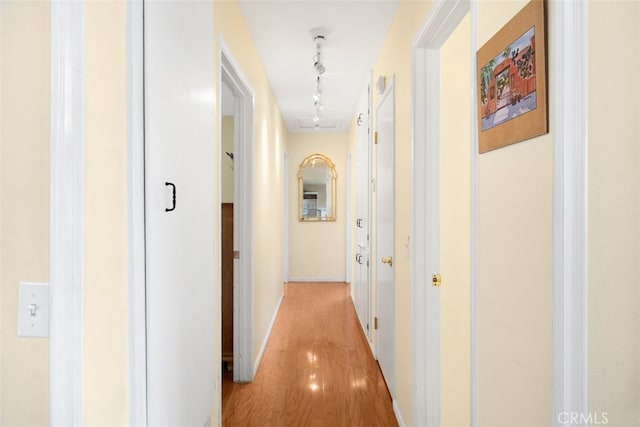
point(24, 203)
point(317, 249)
point(515, 255)
point(514, 268)
point(395, 59)
point(270, 139)
point(614, 212)
point(106, 343)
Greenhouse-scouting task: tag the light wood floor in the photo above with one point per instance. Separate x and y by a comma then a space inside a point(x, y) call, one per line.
point(317, 369)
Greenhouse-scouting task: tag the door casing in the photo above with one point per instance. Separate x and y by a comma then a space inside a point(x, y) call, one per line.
point(230, 73)
point(443, 19)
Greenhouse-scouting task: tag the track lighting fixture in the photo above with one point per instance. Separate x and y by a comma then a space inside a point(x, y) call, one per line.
point(317, 64)
point(318, 35)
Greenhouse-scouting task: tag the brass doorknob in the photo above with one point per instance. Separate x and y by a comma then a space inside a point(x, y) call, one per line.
point(387, 260)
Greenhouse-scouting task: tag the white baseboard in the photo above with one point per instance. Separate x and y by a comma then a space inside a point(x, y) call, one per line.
point(396, 411)
point(266, 336)
point(317, 279)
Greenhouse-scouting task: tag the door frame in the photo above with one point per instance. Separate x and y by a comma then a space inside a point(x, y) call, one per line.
point(243, 147)
point(66, 255)
point(136, 215)
point(569, 118)
point(443, 19)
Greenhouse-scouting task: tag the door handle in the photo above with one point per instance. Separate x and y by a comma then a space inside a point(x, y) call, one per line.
point(173, 189)
point(387, 260)
point(358, 258)
point(359, 223)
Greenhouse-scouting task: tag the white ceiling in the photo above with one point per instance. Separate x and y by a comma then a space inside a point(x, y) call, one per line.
point(356, 31)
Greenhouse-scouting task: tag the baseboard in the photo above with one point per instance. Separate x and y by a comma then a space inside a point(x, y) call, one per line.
point(317, 279)
point(396, 411)
point(266, 336)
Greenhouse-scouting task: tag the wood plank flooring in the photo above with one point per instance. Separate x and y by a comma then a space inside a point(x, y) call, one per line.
point(317, 369)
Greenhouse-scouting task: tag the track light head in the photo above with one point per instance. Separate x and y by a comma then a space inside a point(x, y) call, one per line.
point(317, 65)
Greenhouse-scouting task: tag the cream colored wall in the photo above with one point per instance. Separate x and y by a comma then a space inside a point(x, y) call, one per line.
point(317, 249)
point(514, 269)
point(455, 220)
point(24, 213)
point(395, 58)
point(614, 212)
point(270, 141)
point(106, 329)
point(227, 163)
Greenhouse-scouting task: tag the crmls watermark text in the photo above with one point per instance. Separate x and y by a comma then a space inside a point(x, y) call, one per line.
point(579, 418)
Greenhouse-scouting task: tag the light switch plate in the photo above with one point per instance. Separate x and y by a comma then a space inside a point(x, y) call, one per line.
point(33, 310)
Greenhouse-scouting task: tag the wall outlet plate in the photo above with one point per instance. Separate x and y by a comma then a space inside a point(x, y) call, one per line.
point(33, 310)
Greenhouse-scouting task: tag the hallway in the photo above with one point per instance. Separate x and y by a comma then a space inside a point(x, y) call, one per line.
point(317, 369)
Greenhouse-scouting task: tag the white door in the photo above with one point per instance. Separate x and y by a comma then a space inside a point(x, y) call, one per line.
point(362, 289)
point(181, 302)
point(385, 206)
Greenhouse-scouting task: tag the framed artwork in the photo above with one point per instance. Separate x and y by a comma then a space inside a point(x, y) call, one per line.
point(512, 84)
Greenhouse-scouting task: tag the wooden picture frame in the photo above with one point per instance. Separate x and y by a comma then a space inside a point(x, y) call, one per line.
point(512, 84)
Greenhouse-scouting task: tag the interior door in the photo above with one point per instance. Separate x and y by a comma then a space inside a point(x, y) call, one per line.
point(181, 301)
point(362, 289)
point(385, 239)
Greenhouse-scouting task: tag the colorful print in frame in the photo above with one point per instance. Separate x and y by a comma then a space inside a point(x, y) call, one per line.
point(512, 95)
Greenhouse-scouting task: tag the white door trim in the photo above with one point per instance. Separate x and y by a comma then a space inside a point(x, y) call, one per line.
point(243, 148)
point(569, 121)
point(443, 19)
point(136, 215)
point(67, 212)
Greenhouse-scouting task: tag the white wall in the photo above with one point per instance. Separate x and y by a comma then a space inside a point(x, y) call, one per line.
point(317, 248)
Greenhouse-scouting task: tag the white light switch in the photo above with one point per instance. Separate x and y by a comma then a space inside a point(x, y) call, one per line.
point(33, 310)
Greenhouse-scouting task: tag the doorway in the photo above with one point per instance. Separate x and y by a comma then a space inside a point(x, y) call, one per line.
point(444, 217)
point(238, 164)
point(227, 240)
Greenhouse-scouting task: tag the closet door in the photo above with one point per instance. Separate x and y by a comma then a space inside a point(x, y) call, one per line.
point(179, 154)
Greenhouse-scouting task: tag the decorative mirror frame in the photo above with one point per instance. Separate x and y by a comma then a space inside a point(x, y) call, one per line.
point(331, 216)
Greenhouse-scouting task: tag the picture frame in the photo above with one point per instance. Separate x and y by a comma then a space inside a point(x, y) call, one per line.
point(511, 81)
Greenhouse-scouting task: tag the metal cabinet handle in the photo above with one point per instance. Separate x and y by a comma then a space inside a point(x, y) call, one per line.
point(387, 260)
point(173, 189)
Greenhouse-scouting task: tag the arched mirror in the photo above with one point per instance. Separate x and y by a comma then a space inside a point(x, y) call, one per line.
point(317, 189)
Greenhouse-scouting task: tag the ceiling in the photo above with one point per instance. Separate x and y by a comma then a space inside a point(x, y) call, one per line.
point(281, 34)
